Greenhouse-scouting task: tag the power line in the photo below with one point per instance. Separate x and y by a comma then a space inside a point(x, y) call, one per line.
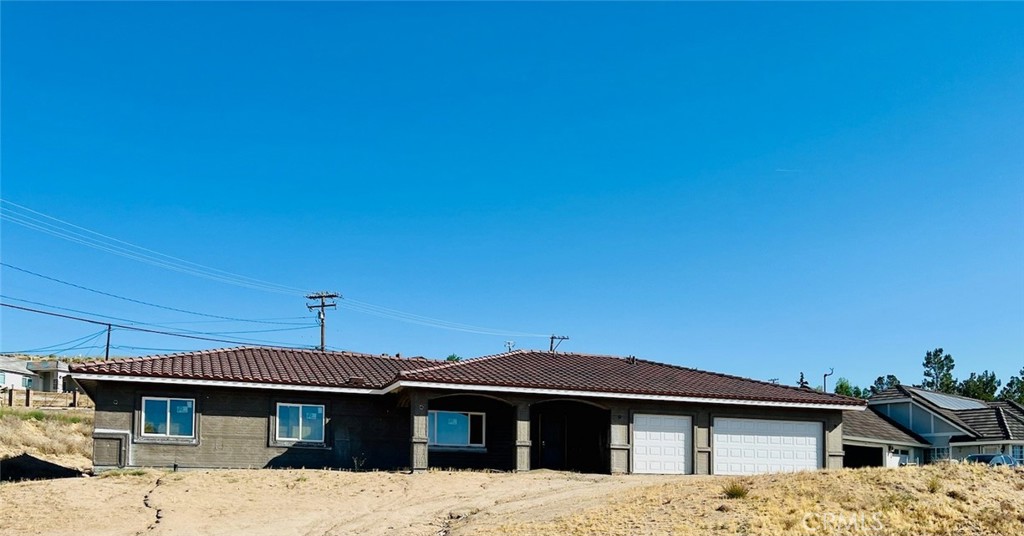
point(136, 323)
point(130, 328)
point(133, 300)
point(80, 340)
point(155, 258)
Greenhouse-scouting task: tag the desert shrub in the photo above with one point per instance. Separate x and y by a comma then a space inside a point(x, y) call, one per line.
point(934, 484)
point(735, 490)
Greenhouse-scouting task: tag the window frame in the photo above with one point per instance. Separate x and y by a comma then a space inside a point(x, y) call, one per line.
point(1017, 449)
point(168, 436)
point(26, 382)
point(432, 434)
point(932, 458)
point(278, 439)
point(3, 377)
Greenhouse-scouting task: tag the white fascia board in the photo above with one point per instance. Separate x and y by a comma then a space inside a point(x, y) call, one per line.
point(631, 396)
point(223, 383)
point(875, 441)
point(993, 442)
point(458, 387)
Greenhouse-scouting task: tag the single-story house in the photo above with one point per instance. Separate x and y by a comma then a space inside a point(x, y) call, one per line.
point(14, 374)
point(520, 410)
point(52, 375)
point(870, 439)
point(954, 426)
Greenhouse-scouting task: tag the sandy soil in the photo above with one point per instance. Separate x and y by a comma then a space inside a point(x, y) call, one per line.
point(954, 500)
point(301, 502)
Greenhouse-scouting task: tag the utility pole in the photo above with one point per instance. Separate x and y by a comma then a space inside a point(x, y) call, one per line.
point(106, 356)
point(556, 338)
point(321, 317)
point(824, 379)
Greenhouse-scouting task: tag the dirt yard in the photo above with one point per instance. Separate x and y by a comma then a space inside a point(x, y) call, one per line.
point(951, 499)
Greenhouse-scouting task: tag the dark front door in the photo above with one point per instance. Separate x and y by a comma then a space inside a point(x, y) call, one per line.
point(552, 441)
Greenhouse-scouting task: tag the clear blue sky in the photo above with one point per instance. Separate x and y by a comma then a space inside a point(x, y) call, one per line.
point(758, 189)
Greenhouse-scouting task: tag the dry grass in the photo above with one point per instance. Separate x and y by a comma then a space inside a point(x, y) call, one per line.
point(898, 502)
point(60, 436)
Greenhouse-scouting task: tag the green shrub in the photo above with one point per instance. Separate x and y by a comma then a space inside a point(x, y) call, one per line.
point(735, 490)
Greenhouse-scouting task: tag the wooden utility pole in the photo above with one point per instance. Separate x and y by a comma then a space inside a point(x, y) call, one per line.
point(556, 338)
point(321, 317)
point(106, 355)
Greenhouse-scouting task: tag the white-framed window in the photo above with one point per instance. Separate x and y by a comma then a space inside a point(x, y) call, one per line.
point(26, 382)
point(938, 453)
point(300, 422)
point(456, 428)
point(168, 417)
point(1017, 451)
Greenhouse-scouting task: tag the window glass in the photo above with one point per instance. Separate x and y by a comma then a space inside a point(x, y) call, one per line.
point(3, 377)
point(181, 418)
point(287, 421)
point(1018, 452)
point(452, 428)
point(313, 423)
point(154, 416)
point(476, 429)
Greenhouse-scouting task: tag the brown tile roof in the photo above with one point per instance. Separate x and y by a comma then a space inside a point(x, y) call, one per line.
point(521, 368)
point(609, 374)
point(263, 365)
point(998, 420)
point(873, 425)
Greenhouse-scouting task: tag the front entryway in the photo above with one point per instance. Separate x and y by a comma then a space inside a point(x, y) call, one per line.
point(569, 436)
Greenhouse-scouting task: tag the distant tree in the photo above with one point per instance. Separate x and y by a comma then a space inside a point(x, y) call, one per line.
point(938, 372)
point(453, 358)
point(981, 386)
point(882, 383)
point(1014, 389)
point(843, 387)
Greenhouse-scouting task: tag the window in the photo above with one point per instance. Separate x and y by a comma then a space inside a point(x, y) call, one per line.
point(26, 382)
point(300, 422)
point(3, 377)
point(1017, 451)
point(938, 453)
point(168, 417)
point(455, 429)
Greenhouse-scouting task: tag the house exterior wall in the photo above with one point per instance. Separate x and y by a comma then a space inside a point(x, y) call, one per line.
point(620, 433)
point(235, 429)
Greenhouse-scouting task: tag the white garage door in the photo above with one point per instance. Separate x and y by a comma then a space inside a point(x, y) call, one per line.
point(662, 444)
point(748, 446)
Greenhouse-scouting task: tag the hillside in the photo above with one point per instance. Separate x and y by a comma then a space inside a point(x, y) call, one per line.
point(63, 437)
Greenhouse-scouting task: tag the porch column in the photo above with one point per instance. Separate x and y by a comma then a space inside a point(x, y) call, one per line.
point(523, 442)
point(619, 440)
point(418, 420)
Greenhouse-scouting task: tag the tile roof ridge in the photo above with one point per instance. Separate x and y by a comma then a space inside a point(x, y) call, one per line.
point(451, 364)
point(861, 401)
point(1001, 419)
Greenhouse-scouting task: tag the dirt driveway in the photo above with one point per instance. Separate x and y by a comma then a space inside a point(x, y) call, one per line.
point(301, 502)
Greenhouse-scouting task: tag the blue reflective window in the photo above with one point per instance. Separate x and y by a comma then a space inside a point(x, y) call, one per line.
point(170, 417)
point(455, 428)
point(300, 422)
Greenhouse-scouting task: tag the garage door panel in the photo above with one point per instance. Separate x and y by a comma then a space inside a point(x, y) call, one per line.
point(661, 444)
point(746, 446)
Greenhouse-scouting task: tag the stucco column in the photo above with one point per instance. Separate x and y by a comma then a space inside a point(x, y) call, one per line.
point(418, 421)
point(523, 442)
point(834, 440)
point(702, 443)
point(619, 440)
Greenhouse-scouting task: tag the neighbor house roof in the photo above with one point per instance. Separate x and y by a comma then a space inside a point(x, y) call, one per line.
point(531, 369)
point(875, 426)
point(535, 371)
point(984, 421)
point(263, 365)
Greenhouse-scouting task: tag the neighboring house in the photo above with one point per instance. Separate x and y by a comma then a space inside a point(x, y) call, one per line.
point(954, 426)
point(14, 374)
point(870, 439)
point(522, 410)
point(52, 375)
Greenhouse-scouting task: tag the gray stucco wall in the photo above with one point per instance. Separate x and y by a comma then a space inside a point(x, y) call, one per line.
point(234, 429)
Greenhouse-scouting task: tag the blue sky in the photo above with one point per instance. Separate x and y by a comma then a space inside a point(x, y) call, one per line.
point(758, 189)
